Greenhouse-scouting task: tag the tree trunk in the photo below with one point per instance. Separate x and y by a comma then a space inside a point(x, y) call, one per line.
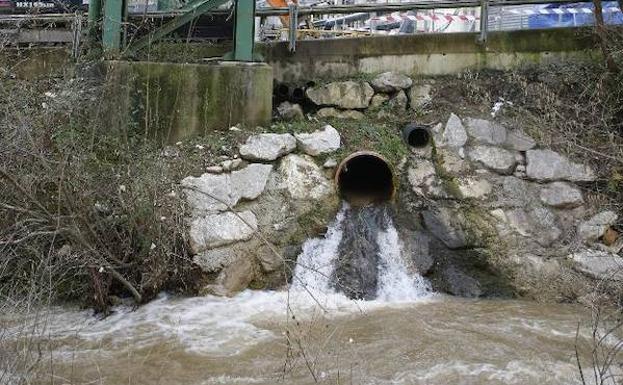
point(602, 35)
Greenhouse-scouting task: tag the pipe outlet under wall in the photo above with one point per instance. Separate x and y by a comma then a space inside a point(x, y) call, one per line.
point(365, 177)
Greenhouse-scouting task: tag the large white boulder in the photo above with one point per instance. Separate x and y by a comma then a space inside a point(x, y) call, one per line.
point(547, 165)
point(267, 147)
point(391, 82)
point(346, 95)
point(219, 192)
point(561, 195)
point(596, 226)
point(454, 134)
point(221, 229)
point(494, 158)
point(303, 178)
point(599, 265)
point(319, 142)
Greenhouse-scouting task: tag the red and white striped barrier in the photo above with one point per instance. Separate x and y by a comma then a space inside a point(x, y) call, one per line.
point(395, 18)
point(560, 11)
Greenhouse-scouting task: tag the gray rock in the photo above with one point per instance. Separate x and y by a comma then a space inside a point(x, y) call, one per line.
point(346, 95)
point(290, 111)
point(494, 158)
point(416, 249)
point(267, 147)
point(547, 165)
point(221, 229)
point(461, 284)
point(474, 188)
point(399, 101)
point(538, 223)
point(486, 132)
point(391, 82)
point(518, 140)
point(231, 164)
point(331, 112)
point(561, 195)
point(330, 163)
point(214, 170)
point(599, 265)
point(378, 100)
point(233, 279)
point(219, 192)
point(451, 162)
point(454, 135)
point(592, 229)
point(424, 181)
point(516, 192)
point(303, 179)
point(419, 96)
point(319, 142)
point(445, 224)
point(213, 260)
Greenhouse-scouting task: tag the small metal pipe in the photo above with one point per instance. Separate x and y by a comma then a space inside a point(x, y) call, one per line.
point(298, 94)
point(282, 91)
point(415, 135)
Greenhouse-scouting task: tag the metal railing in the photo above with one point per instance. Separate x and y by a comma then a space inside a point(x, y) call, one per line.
point(482, 7)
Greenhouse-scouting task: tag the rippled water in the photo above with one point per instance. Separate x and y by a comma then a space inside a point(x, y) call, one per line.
point(312, 334)
point(250, 339)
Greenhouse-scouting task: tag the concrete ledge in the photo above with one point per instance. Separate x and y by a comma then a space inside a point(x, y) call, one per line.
point(171, 101)
point(427, 54)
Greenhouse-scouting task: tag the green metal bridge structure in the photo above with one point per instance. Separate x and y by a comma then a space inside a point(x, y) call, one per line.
point(111, 13)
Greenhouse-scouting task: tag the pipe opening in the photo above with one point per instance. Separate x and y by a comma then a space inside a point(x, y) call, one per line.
point(298, 94)
point(365, 177)
point(283, 91)
point(416, 136)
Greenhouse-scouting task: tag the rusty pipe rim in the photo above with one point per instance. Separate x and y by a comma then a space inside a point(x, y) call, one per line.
point(362, 153)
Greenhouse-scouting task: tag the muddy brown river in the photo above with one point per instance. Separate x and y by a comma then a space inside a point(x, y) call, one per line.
point(310, 334)
point(252, 339)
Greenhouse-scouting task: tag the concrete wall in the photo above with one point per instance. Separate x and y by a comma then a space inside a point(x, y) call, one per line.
point(426, 54)
point(171, 101)
point(35, 63)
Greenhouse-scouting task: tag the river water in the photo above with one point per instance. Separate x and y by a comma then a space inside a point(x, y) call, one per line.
point(313, 334)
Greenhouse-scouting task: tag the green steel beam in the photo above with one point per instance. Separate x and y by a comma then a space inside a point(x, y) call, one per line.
point(196, 9)
point(95, 14)
point(113, 12)
point(244, 30)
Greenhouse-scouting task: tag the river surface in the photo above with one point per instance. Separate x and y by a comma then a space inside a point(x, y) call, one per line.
point(252, 339)
point(312, 333)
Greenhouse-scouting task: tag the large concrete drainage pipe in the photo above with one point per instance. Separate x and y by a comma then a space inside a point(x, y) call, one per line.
point(365, 177)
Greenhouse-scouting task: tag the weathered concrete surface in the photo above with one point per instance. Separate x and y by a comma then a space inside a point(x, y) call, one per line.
point(170, 101)
point(36, 63)
point(425, 54)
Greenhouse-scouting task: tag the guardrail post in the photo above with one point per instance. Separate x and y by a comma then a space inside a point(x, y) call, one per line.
point(484, 21)
point(294, 22)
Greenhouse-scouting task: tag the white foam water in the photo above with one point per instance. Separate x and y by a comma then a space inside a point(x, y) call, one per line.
point(317, 262)
point(219, 326)
point(395, 282)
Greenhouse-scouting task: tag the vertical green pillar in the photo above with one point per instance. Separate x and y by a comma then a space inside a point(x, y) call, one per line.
point(113, 12)
point(95, 13)
point(244, 30)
